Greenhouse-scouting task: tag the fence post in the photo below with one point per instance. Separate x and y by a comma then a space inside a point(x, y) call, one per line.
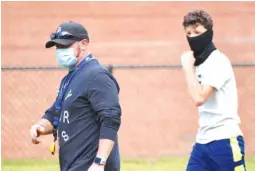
point(110, 68)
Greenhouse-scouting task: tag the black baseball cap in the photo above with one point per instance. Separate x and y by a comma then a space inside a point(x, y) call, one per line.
point(67, 33)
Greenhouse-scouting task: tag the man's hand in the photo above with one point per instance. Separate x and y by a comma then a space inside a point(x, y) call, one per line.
point(35, 131)
point(187, 60)
point(96, 167)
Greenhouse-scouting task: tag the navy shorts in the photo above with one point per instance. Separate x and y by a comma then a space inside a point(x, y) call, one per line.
point(220, 155)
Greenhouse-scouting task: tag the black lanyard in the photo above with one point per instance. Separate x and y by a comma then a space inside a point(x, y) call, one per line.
point(63, 88)
point(58, 105)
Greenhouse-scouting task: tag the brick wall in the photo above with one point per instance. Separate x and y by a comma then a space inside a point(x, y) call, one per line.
point(158, 115)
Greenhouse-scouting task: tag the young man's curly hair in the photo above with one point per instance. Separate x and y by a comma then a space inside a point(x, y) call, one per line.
point(198, 17)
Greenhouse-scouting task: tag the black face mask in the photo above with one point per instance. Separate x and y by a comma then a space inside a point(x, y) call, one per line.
point(202, 46)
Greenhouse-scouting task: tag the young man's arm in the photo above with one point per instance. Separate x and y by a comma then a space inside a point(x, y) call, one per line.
point(215, 75)
point(199, 93)
point(103, 96)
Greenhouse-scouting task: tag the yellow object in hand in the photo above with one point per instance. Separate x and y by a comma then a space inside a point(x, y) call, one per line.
point(52, 148)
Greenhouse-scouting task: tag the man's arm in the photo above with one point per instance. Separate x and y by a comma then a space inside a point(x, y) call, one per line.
point(105, 148)
point(103, 96)
point(47, 126)
point(42, 127)
point(199, 93)
point(218, 70)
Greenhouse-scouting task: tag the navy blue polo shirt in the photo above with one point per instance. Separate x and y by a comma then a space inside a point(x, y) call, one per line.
point(90, 111)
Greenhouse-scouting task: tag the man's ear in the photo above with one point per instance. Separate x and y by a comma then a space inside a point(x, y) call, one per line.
point(84, 44)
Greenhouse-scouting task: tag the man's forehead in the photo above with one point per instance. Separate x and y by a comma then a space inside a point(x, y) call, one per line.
point(196, 26)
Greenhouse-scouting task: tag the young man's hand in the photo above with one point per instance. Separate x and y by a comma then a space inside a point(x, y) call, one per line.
point(96, 167)
point(187, 60)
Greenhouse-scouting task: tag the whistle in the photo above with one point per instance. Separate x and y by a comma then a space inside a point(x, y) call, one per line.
point(53, 148)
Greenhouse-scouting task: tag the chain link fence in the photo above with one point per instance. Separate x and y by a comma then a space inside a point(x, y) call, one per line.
point(158, 117)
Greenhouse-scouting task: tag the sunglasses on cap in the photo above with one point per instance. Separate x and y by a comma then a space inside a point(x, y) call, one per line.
point(64, 35)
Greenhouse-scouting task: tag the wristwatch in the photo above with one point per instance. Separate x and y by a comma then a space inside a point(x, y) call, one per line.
point(99, 160)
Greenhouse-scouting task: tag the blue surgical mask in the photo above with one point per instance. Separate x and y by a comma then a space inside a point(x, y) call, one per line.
point(66, 58)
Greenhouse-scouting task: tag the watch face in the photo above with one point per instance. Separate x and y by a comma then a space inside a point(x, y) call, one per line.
point(100, 161)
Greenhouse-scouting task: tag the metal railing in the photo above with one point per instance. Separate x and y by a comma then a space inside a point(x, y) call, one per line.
point(111, 67)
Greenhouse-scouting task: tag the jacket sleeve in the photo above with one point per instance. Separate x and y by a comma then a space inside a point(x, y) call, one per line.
point(50, 111)
point(103, 95)
point(49, 114)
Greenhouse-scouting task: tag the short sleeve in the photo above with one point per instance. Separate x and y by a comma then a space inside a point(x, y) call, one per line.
point(217, 71)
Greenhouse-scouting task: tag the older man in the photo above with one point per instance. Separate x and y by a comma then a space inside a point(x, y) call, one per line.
point(86, 114)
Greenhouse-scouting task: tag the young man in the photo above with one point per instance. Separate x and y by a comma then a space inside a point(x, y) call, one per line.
point(211, 83)
point(86, 114)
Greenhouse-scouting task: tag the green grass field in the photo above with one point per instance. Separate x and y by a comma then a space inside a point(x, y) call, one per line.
point(162, 164)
